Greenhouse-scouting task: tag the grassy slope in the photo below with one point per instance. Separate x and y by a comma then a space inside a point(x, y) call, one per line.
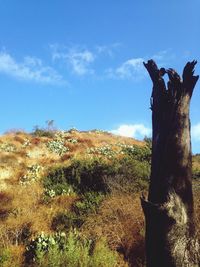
point(25, 200)
point(14, 164)
point(119, 219)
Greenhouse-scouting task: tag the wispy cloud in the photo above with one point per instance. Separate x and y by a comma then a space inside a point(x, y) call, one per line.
point(160, 56)
point(83, 61)
point(133, 68)
point(132, 130)
point(164, 57)
point(30, 69)
point(108, 50)
point(78, 59)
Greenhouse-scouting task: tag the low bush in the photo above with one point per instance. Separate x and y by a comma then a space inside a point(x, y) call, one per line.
point(40, 245)
point(42, 132)
point(72, 250)
point(55, 183)
point(106, 151)
point(87, 174)
point(58, 189)
point(57, 146)
point(140, 153)
point(89, 203)
point(97, 175)
point(103, 256)
point(136, 173)
point(63, 222)
point(82, 175)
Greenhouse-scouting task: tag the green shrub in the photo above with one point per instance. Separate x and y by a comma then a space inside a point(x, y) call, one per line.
point(57, 146)
point(63, 222)
point(76, 251)
point(58, 190)
point(42, 132)
point(96, 175)
point(88, 204)
point(140, 153)
point(87, 175)
point(72, 250)
point(106, 151)
point(82, 175)
point(137, 172)
point(134, 169)
point(132, 176)
point(55, 183)
point(103, 256)
point(39, 246)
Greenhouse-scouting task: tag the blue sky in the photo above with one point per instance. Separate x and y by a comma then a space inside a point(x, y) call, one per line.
point(79, 63)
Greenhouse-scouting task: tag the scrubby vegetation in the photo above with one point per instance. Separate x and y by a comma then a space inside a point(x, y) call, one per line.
point(71, 198)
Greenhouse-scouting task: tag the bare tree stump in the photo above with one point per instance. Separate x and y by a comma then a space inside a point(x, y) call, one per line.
point(170, 224)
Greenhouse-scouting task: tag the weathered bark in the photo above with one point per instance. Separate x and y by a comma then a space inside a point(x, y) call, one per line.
point(170, 226)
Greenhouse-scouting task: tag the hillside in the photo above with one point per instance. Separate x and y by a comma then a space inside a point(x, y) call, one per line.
point(20, 151)
point(73, 193)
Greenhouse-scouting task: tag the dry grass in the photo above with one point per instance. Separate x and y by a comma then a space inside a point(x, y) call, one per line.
point(37, 151)
point(23, 213)
point(121, 221)
point(15, 256)
point(6, 204)
point(27, 216)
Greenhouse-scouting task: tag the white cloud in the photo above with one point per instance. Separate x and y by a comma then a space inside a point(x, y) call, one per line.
point(80, 61)
point(77, 58)
point(31, 69)
point(132, 130)
point(133, 68)
point(140, 130)
point(195, 132)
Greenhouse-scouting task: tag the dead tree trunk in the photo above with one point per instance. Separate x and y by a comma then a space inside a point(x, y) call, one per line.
point(170, 227)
